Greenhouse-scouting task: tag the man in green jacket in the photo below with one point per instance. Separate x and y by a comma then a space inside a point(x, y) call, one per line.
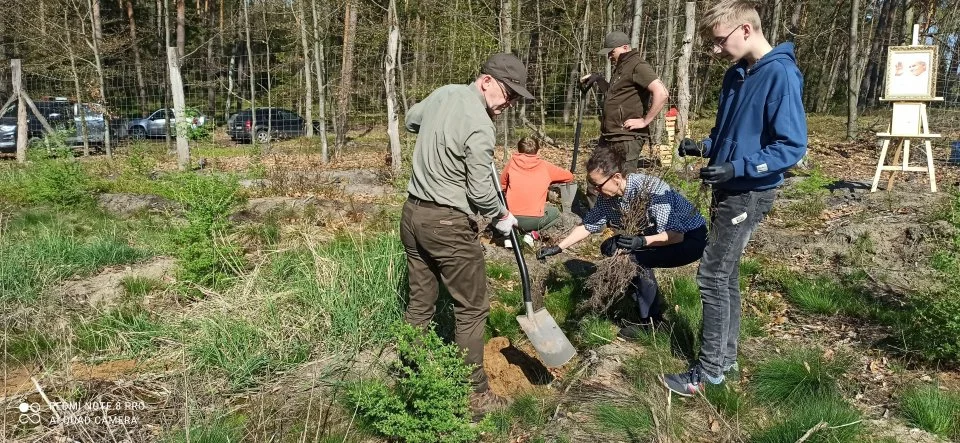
point(633, 98)
point(452, 180)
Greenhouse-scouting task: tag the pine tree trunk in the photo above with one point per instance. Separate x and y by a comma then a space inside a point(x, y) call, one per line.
point(774, 35)
point(85, 131)
point(253, 102)
point(826, 70)
point(181, 28)
point(97, 30)
point(683, 70)
point(637, 19)
point(577, 66)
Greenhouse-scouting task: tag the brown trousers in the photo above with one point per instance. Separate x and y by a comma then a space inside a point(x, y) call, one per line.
point(631, 151)
point(442, 243)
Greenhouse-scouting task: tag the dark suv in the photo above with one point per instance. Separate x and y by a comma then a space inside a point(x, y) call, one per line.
point(62, 115)
point(282, 123)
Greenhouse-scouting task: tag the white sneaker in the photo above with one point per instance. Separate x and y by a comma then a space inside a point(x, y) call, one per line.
point(507, 244)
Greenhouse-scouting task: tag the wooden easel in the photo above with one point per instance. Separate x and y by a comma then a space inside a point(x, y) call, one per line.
point(910, 120)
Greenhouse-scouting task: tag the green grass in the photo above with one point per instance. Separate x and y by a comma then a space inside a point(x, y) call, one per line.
point(841, 421)
point(39, 249)
point(819, 296)
point(243, 351)
point(229, 429)
point(138, 286)
point(502, 322)
point(512, 298)
point(631, 422)
point(932, 409)
point(27, 346)
point(344, 290)
point(798, 376)
point(127, 329)
point(501, 271)
point(683, 295)
point(561, 302)
point(751, 326)
point(727, 400)
point(594, 331)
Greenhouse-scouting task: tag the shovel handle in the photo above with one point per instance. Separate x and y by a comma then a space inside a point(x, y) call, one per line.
point(517, 253)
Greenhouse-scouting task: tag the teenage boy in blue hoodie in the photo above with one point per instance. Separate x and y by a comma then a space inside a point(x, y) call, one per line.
point(760, 132)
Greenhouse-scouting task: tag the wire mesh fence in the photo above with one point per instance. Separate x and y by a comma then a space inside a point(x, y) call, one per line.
point(264, 55)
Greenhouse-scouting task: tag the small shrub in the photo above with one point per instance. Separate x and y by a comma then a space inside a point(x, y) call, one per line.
point(60, 182)
point(798, 376)
point(933, 329)
point(206, 256)
point(929, 408)
point(429, 398)
point(841, 423)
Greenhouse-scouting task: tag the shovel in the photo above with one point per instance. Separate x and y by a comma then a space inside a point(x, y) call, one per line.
point(540, 327)
point(568, 191)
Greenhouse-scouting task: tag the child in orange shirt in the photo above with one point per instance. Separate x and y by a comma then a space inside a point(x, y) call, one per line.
point(526, 180)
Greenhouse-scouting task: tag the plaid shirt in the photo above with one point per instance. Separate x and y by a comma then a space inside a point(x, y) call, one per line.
point(667, 209)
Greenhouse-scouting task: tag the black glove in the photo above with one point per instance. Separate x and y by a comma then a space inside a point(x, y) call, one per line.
point(548, 251)
point(609, 246)
point(631, 243)
point(588, 83)
point(716, 174)
point(690, 147)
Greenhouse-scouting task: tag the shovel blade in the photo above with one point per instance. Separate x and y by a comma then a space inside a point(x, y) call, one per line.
point(547, 338)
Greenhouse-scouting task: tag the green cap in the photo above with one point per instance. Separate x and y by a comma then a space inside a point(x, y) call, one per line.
point(508, 69)
point(613, 40)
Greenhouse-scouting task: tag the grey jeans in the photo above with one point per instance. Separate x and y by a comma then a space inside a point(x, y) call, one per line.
point(734, 216)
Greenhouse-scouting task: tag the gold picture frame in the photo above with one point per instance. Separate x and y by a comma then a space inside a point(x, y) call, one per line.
point(911, 73)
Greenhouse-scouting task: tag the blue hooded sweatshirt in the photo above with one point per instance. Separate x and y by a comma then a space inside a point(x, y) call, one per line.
point(761, 126)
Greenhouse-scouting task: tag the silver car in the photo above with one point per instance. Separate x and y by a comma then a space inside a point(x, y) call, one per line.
point(156, 124)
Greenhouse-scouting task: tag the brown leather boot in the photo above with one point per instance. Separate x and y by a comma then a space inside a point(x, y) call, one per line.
point(482, 403)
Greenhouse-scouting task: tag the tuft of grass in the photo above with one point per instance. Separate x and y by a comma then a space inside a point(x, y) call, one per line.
point(27, 346)
point(798, 376)
point(931, 409)
point(840, 423)
point(529, 410)
point(728, 401)
point(632, 422)
point(229, 429)
point(561, 302)
point(39, 254)
point(243, 351)
point(501, 271)
point(594, 331)
point(138, 286)
point(751, 326)
point(345, 290)
point(502, 322)
point(818, 296)
point(687, 314)
point(510, 299)
point(127, 328)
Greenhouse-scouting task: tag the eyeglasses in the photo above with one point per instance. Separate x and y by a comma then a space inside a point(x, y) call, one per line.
point(600, 186)
point(720, 43)
point(510, 96)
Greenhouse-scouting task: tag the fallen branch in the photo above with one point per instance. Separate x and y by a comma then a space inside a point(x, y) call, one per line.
point(818, 427)
point(539, 132)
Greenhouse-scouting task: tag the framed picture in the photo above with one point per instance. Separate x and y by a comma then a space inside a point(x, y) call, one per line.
point(911, 72)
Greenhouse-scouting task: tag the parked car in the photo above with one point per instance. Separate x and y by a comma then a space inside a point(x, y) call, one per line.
point(62, 115)
point(282, 123)
point(156, 124)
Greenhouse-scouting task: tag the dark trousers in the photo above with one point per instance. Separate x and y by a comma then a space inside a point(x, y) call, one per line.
point(549, 218)
point(734, 216)
point(442, 244)
point(630, 149)
point(645, 288)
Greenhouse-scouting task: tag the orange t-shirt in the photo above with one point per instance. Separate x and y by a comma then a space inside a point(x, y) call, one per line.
point(526, 180)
